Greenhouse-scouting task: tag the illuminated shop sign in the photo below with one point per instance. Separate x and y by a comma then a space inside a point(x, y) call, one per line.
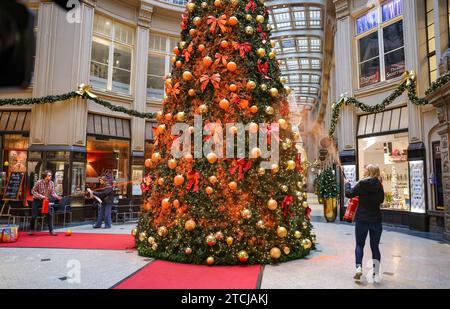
point(366, 22)
point(392, 9)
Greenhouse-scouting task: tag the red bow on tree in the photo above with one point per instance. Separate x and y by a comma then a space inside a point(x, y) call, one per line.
point(235, 99)
point(268, 130)
point(298, 163)
point(220, 59)
point(146, 184)
point(193, 178)
point(206, 79)
point(187, 52)
point(217, 22)
point(243, 48)
point(250, 5)
point(173, 90)
point(288, 200)
point(242, 164)
point(184, 21)
point(263, 68)
point(263, 35)
point(284, 109)
point(308, 212)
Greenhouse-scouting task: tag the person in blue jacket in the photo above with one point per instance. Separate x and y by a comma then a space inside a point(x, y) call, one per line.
point(368, 217)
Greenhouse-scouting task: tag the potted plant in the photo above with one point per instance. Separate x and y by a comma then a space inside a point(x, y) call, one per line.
point(329, 191)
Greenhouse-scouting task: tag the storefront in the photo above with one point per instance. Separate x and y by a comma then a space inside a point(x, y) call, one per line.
point(108, 151)
point(383, 141)
point(14, 143)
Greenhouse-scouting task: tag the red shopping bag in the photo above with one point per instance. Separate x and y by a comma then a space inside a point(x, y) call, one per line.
point(349, 215)
point(44, 209)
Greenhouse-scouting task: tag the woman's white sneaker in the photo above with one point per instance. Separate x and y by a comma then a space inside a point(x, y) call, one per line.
point(358, 273)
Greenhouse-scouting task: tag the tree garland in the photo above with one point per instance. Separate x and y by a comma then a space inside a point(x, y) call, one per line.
point(408, 84)
point(83, 92)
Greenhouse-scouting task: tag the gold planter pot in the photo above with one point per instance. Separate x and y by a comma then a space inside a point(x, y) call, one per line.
point(330, 209)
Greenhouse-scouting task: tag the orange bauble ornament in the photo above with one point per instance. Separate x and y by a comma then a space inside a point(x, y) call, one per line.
point(176, 51)
point(213, 179)
point(179, 64)
point(232, 185)
point(231, 66)
point(191, 92)
point(148, 163)
point(272, 204)
point(243, 103)
point(176, 203)
point(207, 61)
point(165, 203)
point(69, 233)
point(275, 253)
point(189, 225)
point(188, 157)
point(224, 44)
point(168, 117)
point(161, 181)
point(253, 127)
point(217, 3)
point(224, 104)
point(192, 32)
point(254, 109)
point(178, 180)
point(187, 76)
point(172, 164)
point(251, 85)
point(209, 190)
point(232, 87)
point(210, 260)
point(159, 115)
point(201, 47)
point(156, 157)
point(255, 153)
point(211, 157)
point(233, 21)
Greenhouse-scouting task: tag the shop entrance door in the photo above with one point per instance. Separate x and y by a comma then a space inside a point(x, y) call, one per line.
point(437, 177)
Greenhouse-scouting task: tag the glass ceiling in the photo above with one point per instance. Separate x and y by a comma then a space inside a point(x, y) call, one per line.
point(298, 36)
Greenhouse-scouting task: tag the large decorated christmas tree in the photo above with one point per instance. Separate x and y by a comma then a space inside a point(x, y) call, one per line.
point(212, 208)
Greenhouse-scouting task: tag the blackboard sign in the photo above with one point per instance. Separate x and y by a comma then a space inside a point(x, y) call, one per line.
point(13, 186)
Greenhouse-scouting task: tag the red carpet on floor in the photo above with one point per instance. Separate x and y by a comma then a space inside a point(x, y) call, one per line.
point(76, 241)
point(167, 275)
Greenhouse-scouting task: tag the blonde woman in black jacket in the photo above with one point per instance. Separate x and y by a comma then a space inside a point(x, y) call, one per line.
point(368, 217)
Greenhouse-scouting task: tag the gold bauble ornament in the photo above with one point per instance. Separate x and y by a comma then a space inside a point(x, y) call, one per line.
point(211, 240)
point(151, 240)
point(261, 52)
point(162, 231)
point(246, 214)
point(305, 225)
point(192, 32)
point(242, 256)
point(155, 247)
point(217, 3)
point(172, 163)
point(232, 21)
point(234, 2)
point(161, 128)
point(296, 136)
point(261, 171)
point(178, 63)
point(275, 253)
point(248, 17)
point(160, 181)
point(232, 185)
point(297, 234)
point(210, 260)
point(187, 75)
point(253, 127)
point(182, 44)
point(196, 20)
point(305, 204)
point(203, 108)
point(188, 157)
point(272, 204)
point(291, 165)
point(255, 153)
point(211, 157)
point(260, 224)
point(275, 168)
point(283, 123)
point(272, 55)
point(286, 250)
point(142, 236)
point(249, 30)
point(156, 157)
point(209, 190)
point(251, 85)
point(285, 146)
point(204, 5)
point(272, 43)
point(159, 115)
point(284, 188)
point(134, 232)
point(190, 6)
point(273, 92)
point(263, 87)
point(269, 110)
point(188, 250)
point(189, 225)
point(259, 19)
point(230, 240)
point(212, 179)
point(165, 203)
point(305, 196)
point(281, 232)
point(306, 243)
point(191, 92)
point(287, 89)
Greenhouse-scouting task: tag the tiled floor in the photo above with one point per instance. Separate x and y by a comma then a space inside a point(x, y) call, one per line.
point(408, 261)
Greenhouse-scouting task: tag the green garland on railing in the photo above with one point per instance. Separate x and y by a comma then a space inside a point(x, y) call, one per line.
point(408, 84)
point(83, 92)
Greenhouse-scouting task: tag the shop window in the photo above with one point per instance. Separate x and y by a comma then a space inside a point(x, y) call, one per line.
point(160, 52)
point(111, 56)
point(380, 43)
point(14, 155)
point(389, 152)
point(431, 40)
point(108, 155)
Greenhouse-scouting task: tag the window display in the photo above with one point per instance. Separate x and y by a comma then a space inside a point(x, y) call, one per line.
point(389, 152)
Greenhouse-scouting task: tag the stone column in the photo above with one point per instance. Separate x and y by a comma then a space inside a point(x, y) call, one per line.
point(140, 77)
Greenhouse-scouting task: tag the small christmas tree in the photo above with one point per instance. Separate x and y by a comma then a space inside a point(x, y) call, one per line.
point(327, 184)
point(215, 210)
